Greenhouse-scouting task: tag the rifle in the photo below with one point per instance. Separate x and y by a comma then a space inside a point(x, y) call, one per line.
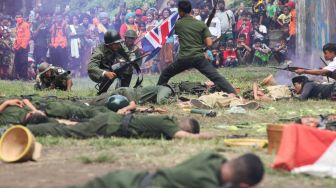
point(288, 68)
point(118, 69)
point(212, 14)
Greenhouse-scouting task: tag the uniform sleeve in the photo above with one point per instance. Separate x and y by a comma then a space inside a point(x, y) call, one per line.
point(331, 67)
point(306, 91)
point(95, 73)
point(206, 32)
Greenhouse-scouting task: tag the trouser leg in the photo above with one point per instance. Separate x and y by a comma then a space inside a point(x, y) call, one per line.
point(210, 72)
point(172, 70)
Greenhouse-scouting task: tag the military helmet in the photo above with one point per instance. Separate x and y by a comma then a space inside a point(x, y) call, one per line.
point(44, 67)
point(112, 37)
point(116, 102)
point(18, 144)
point(131, 34)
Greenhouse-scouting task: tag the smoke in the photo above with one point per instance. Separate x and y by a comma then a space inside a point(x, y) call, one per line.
point(308, 61)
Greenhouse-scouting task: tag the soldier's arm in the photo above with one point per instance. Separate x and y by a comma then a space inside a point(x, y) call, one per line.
point(29, 104)
point(94, 71)
point(322, 72)
point(13, 102)
point(184, 134)
point(132, 106)
point(69, 84)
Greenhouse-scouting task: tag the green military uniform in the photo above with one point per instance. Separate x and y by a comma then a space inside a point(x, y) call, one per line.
point(201, 171)
point(111, 124)
point(13, 115)
point(152, 94)
point(57, 80)
point(102, 59)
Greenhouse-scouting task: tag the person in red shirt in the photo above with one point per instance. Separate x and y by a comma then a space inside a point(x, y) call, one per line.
point(244, 27)
point(229, 55)
point(21, 48)
point(59, 43)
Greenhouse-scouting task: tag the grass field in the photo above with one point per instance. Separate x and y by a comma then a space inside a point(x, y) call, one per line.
point(70, 161)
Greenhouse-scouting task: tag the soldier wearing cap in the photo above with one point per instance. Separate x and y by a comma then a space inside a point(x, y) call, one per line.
point(113, 51)
point(51, 77)
point(134, 53)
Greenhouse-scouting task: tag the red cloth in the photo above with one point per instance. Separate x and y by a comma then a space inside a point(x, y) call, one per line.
point(229, 53)
point(22, 36)
point(302, 145)
point(246, 31)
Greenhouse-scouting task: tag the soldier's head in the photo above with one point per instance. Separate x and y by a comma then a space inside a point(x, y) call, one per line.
point(329, 51)
point(44, 69)
point(299, 82)
point(189, 125)
point(130, 37)
point(184, 7)
point(112, 40)
point(35, 117)
point(244, 171)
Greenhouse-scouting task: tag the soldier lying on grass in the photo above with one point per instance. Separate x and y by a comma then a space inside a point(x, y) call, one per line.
point(205, 170)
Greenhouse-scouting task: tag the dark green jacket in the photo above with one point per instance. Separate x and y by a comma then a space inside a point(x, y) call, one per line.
point(103, 58)
point(201, 171)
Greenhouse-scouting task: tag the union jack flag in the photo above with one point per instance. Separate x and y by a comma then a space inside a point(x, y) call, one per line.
point(154, 39)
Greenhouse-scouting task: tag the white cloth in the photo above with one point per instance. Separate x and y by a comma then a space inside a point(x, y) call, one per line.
point(198, 17)
point(74, 43)
point(331, 66)
point(215, 27)
point(227, 20)
point(262, 29)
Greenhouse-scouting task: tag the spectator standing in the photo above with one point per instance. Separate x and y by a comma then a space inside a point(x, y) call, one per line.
point(59, 43)
point(76, 35)
point(227, 20)
point(128, 25)
point(292, 30)
point(284, 18)
point(21, 48)
point(271, 13)
point(6, 54)
point(166, 52)
point(41, 36)
point(259, 10)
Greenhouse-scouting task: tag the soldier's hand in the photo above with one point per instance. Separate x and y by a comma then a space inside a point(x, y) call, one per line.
point(110, 75)
point(15, 102)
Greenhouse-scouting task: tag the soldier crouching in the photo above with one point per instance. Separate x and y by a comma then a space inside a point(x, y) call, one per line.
point(50, 77)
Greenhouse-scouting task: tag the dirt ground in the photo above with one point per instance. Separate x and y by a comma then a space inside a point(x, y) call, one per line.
point(61, 166)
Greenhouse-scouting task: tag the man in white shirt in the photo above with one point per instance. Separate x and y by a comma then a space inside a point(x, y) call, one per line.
point(329, 51)
point(215, 27)
point(227, 21)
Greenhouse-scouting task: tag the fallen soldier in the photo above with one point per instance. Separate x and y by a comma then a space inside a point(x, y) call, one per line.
point(130, 125)
point(268, 90)
point(322, 122)
point(205, 170)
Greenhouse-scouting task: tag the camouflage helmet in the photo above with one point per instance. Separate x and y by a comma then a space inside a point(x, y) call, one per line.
point(131, 34)
point(116, 102)
point(112, 37)
point(44, 67)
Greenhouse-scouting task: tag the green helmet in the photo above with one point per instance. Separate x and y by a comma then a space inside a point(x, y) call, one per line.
point(116, 102)
point(44, 67)
point(111, 37)
point(131, 34)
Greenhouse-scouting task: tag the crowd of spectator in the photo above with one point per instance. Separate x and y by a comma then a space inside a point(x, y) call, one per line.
point(66, 40)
